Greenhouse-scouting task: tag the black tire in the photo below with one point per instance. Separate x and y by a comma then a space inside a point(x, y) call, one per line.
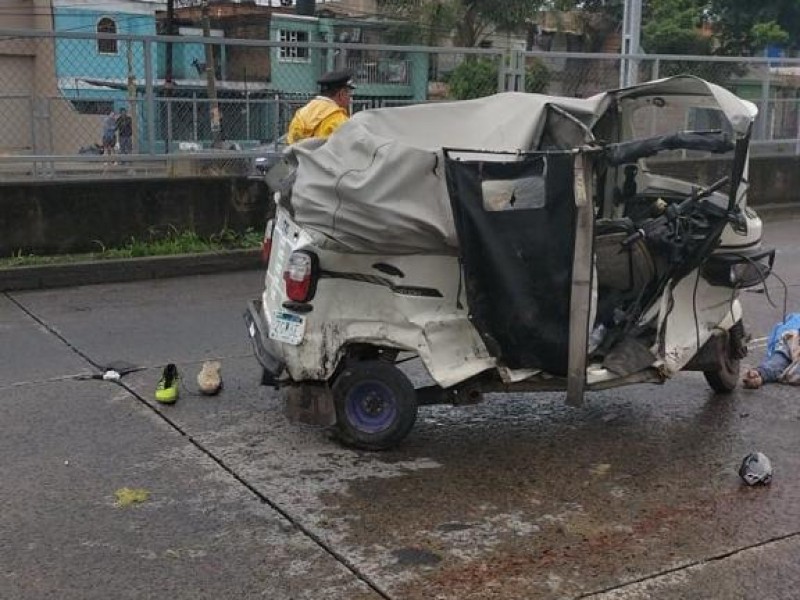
point(376, 405)
point(725, 378)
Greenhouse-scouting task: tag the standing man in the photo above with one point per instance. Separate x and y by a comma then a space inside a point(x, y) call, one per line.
point(109, 133)
point(325, 113)
point(125, 131)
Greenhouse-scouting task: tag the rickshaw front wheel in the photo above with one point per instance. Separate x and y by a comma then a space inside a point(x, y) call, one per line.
point(376, 405)
point(725, 377)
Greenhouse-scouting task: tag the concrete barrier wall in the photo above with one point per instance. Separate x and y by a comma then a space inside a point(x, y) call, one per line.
point(773, 179)
point(62, 217)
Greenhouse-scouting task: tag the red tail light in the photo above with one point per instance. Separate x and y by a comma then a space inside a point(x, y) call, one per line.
point(266, 245)
point(300, 276)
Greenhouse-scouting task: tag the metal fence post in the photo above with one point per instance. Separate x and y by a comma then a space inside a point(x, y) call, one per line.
point(276, 132)
point(32, 113)
point(149, 98)
point(765, 93)
point(247, 114)
point(519, 75)
point(501, 73)
point(167, 141)
point(194, 115)
point(511, 74)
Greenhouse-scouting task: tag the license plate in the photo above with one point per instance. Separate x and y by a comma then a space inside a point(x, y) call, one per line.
point(287, 328)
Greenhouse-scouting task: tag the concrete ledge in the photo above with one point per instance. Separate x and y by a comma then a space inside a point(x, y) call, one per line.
point(127, 269)
point(158, 267)
point(69, 217)
point(772, 212)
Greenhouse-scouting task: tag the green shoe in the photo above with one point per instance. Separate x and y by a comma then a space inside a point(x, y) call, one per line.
point(167, 389)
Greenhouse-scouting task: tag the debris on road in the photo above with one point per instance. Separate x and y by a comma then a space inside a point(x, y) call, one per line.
point(129, 496)
point(167, 388)
point(209, 380)
point(756, 469)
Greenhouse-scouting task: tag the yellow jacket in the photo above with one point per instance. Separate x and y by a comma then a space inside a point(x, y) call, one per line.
point(319, 118)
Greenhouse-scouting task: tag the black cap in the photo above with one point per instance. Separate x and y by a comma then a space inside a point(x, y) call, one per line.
point(333, 80)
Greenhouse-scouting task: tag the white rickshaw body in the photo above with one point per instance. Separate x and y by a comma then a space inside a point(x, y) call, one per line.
point(514, 242)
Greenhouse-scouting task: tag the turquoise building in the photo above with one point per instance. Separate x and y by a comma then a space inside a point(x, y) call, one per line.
point(101, 75)
point(257, 87)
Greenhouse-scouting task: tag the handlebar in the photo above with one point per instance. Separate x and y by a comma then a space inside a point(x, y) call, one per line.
point(705, 192)
point(674, 211)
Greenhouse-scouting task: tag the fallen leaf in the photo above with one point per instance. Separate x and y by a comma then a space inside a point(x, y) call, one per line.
point(128, 496)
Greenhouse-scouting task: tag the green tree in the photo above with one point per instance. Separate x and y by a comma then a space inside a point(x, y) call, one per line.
point(473, 79)
point(744, 27)
point(765, 34)
point(466, 22)
point(682, 27)
point(673, 27)
point(478, 78)
point(611, 8)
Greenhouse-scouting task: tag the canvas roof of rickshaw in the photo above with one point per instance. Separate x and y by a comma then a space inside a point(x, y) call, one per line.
point(740, 112)
point(377, 185)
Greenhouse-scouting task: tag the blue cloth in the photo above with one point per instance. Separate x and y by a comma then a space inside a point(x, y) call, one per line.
point(791, 323)
point(775, 364)
point(779, 355)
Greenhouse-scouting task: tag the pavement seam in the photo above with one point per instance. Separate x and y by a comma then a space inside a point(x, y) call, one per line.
point(340, 558)
point(51, 330)
point(689, 565)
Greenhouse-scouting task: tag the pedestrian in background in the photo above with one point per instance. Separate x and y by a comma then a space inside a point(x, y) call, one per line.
point(125, 132)
point(325, 113)
point(109, 133)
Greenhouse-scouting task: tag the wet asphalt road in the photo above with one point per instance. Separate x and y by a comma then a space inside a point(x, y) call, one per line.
point(633, 496)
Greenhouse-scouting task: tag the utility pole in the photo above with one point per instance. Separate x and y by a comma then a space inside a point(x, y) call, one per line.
point(631, 38)
point(213, 105)
point(168, 83)
point(133, 109)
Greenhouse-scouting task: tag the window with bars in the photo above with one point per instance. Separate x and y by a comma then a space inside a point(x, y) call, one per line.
point(106, 25)
point(293, 53)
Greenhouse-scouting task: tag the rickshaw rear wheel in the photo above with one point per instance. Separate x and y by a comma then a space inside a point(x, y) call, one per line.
point(376, 405)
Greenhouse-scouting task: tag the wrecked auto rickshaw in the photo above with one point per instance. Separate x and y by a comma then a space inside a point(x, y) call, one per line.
point(518, 242)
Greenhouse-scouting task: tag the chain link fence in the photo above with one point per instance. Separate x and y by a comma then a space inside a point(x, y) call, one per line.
point(213, 105)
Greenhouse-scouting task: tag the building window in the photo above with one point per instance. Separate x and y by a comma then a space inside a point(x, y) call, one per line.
point(106, 25)
point(295, 53)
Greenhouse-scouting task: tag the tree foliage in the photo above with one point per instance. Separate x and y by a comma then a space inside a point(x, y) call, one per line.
point(466, 22)
point(478, 78)
point(726, 27)
point(681, 27)
point(745, 27)
point(674, 27)
point(473, 79)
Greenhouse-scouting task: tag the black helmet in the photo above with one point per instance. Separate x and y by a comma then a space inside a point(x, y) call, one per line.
point(334, 80)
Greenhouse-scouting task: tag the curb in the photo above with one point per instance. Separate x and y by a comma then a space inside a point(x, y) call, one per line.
point(126, 269)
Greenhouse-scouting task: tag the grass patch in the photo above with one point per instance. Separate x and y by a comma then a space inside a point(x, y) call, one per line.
point(158, 244)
